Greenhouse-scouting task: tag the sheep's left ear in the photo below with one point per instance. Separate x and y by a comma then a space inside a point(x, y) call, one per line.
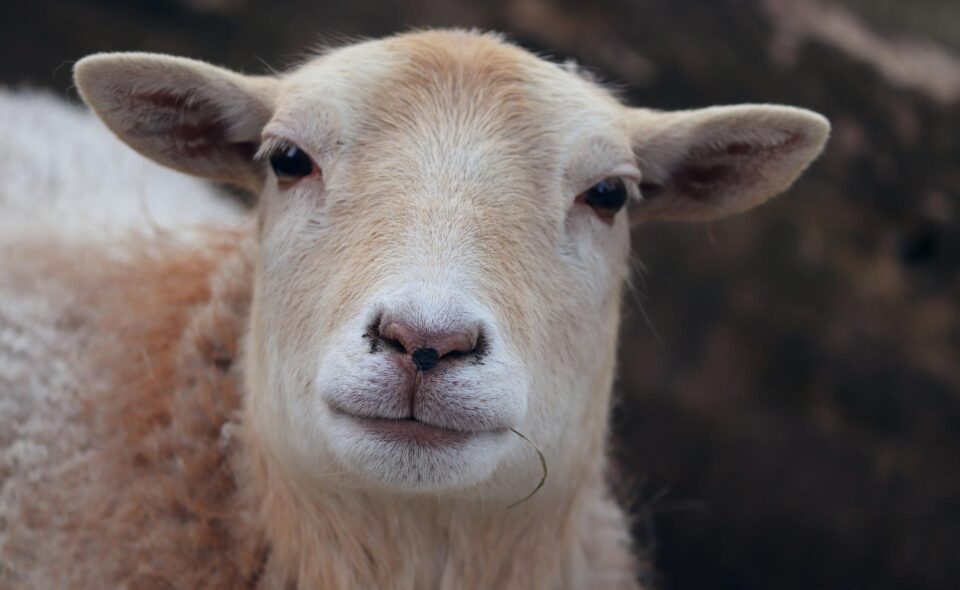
point(708, 163)
point(186, 114)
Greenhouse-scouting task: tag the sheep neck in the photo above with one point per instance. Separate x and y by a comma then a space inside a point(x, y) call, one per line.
point(341, 539)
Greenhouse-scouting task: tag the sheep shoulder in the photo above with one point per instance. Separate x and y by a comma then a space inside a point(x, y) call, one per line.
point(120, 405)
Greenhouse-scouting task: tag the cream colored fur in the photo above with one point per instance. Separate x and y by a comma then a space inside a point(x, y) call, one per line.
point(451, 168)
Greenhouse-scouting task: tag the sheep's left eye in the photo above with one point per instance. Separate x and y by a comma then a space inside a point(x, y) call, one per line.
point(607, 196)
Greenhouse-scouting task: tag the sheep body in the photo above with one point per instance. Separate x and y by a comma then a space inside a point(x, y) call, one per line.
point(195, 398)
point(105, 455)
point(91, 235)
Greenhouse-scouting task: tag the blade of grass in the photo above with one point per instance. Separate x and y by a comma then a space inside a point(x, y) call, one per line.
point(543, 466)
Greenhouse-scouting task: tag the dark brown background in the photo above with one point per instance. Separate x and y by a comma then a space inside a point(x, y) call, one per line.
point(796, 423)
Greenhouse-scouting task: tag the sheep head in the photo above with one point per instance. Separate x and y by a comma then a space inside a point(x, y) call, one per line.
point(443, 227)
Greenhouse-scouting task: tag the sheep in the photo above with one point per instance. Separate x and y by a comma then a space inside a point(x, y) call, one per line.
point(353, 388)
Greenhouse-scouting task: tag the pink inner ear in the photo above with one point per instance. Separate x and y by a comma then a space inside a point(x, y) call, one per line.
point(706, 172)
point(184, 125)
point(699, 179)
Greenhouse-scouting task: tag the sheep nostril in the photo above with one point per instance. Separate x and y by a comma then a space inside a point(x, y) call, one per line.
point(426, 358)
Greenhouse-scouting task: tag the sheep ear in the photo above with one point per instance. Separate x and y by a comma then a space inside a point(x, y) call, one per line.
point(182, 113)
point(707, 163)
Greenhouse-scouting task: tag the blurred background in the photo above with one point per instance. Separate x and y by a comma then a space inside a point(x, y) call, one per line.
point(789, 413)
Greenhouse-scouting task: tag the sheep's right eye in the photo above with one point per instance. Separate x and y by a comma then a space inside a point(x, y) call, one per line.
point(290, 163)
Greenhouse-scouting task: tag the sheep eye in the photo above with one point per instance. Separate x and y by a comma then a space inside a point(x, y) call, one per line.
point(607, 196)
point(290, 163)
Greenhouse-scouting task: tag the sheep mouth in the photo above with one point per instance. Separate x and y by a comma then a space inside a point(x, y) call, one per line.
point(411, 430)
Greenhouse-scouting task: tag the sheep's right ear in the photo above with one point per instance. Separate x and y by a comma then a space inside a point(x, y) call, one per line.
point(182, 113)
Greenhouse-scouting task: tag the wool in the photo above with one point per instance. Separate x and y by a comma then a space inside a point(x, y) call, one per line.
point(157, 413)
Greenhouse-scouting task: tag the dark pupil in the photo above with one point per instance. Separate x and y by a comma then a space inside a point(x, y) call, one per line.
point(291, 162)
point(609, 194)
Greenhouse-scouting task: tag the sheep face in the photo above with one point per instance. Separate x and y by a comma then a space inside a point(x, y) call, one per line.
point(442, 243)
point(429, 280)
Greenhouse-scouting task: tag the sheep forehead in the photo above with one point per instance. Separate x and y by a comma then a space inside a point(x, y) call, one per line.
point(447, 91)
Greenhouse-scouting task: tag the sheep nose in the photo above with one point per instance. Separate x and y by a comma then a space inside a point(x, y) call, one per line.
point(427, 347)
